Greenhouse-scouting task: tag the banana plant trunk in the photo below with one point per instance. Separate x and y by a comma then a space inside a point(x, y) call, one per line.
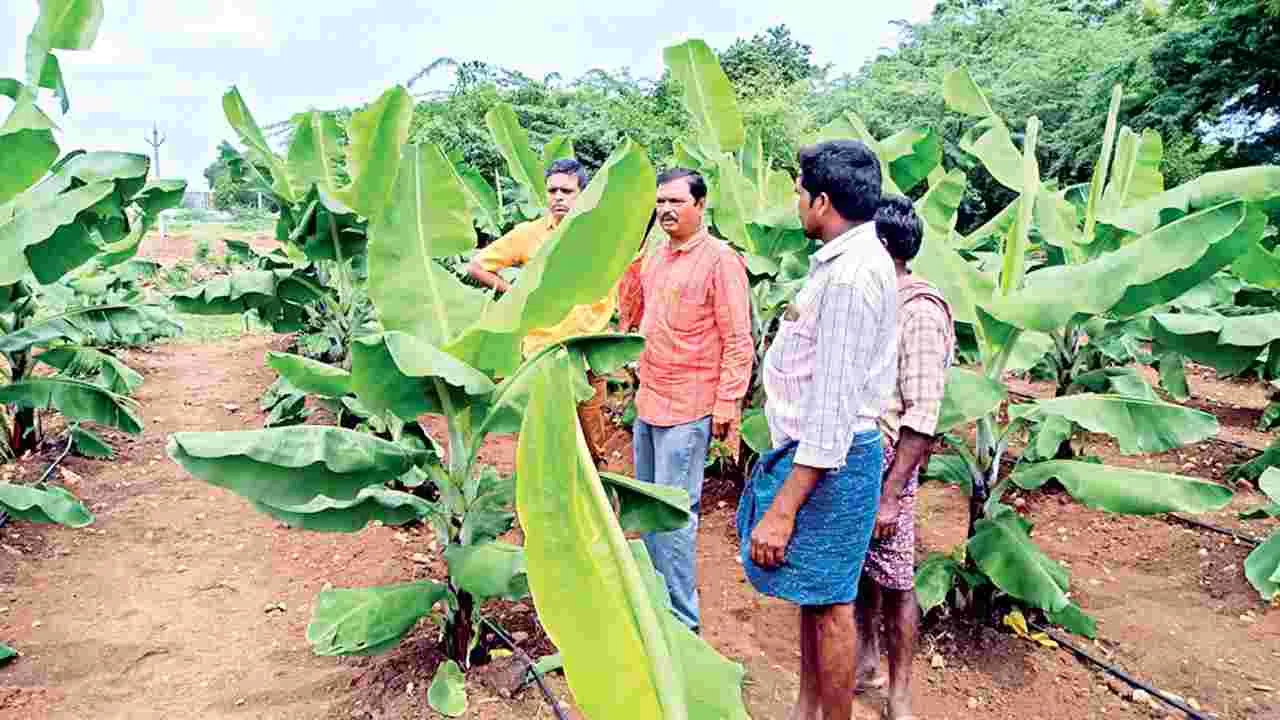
point(459, 630)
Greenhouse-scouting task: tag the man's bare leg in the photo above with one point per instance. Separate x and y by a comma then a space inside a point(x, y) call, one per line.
point(807, 704)
point(837, 647)
point(866, 613)
point(901, 622)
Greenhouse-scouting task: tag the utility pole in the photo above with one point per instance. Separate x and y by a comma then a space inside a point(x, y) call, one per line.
point(155, 141)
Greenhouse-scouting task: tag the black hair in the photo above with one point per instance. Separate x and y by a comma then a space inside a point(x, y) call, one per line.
point(848, 172)
point(569, 166)
point(899, 227)
point(697, 185)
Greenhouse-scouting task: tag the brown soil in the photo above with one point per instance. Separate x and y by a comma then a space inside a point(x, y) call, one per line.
point(181, 246)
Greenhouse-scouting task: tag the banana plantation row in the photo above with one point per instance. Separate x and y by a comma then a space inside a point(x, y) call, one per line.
point(1077, 284)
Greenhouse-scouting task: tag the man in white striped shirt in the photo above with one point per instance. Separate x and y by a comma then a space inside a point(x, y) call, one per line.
point(807, 515)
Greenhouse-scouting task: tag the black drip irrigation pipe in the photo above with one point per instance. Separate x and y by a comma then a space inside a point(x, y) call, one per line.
point(546, 692)
point(1213, 528)
point(4, 516)
point(1122, 675)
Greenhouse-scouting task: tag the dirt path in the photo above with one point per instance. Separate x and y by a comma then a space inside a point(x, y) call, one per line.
point(157, 610)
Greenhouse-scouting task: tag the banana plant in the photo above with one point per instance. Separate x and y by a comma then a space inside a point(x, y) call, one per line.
point(440, 348)
point(87, 209)
point(1262, 567)
point(1123, 260)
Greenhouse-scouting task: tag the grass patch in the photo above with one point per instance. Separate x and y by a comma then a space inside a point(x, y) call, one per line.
point(200, 329)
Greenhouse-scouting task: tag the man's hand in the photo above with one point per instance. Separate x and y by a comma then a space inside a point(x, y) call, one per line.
point(723, 428)
point(770, 539)
point(486, 278)
point(887, 517)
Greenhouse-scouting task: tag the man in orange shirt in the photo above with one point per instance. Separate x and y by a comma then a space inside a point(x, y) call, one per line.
point(696, 321)
point(566, 179)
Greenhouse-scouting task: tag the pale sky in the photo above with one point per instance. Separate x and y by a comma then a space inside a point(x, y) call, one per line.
point(169, 62)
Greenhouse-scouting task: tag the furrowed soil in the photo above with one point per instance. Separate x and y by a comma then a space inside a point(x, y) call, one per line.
point(181, 601)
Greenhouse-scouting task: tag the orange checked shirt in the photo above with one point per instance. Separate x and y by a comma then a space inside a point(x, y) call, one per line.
point(696, 322)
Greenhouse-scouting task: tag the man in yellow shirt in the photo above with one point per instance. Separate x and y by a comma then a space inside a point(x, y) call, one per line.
point(566, 179)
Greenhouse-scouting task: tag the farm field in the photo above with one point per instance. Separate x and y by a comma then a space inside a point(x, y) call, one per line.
point(158, 610)
point(318, 442)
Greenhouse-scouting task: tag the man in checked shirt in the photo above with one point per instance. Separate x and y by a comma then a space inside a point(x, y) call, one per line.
point(926, 337)
point(695, 317)
point(807, 513)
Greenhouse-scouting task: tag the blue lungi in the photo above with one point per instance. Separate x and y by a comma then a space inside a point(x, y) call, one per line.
point(833, 528)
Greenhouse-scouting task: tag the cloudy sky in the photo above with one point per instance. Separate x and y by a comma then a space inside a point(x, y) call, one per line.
point(169, 62)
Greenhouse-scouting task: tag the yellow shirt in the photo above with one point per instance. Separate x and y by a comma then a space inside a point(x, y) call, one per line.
point(516, 248)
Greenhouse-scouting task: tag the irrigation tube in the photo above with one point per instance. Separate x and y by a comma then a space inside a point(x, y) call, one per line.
point(1213, 528)
point(546, 692)
point(4, 516)
point(1113, 670)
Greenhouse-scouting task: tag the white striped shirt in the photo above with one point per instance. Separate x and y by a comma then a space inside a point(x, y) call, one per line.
point(834, 361)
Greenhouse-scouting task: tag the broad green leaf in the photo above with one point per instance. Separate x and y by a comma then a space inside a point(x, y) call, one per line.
point(488, 570)
point(44, 505)
point(322, 514)
point(963, 95)
point(734, 205)
point(1269, 484)
point(232, 294)
point(398, 373)
point(713, 688)
point(603, 353)
point(559, 147)
point(1074, 620)
point(27, 146)
point(427, 219)
point(373, 156)
point(7, 654)
point(47, 239)
point(259, 150)
point(1135, 173)
point(490, 501)
point(1121, 490)
point(89, 444)
point(646, 507)
point(934, 579)
point(950, 469)
point(314, 151)
point(288, 468)
point(368, 621)
point(74, 399)
point(1262, 567)
point(86, 361)
point(448, 692)
point(513, 144)
point(311, 376)
point(61, 25)
point(482, 199)
point(962, 283)
point(1173, 376)
point(1018, 239)
point(1147, 272)
point(1116, 381)
point(579, 264)
point(1230, 345)
point(968, 395)
point(708, 96)
point(1259, 266)
point(1139, 426)
point(912, 154)
point(937, 207)
point(755, 432)
point(51, 78)
point(1259, 184)
point(989, 140)
point(849, 126)
point(573, 540)
point(1003, 549)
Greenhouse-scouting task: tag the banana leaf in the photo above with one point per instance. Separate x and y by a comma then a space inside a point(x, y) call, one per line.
point(708, 96)
point(1139, 426)
point(488, 570)
point(43, 504)
point(1121, 490)
point(321, 514)
point(1003, 549)
point(368, 621)
point(75, 399)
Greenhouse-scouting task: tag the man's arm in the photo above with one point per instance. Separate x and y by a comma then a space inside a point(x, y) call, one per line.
point(924, 347)
point(733, 322)
point(844, 353)
point(507, 251)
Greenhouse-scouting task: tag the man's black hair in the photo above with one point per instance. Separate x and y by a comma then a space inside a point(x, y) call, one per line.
point(569, 166)
point(697, 185)
point(848, 172)
point(899, 227)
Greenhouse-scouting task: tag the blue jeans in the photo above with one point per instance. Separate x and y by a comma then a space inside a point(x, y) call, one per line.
point(675, 457)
